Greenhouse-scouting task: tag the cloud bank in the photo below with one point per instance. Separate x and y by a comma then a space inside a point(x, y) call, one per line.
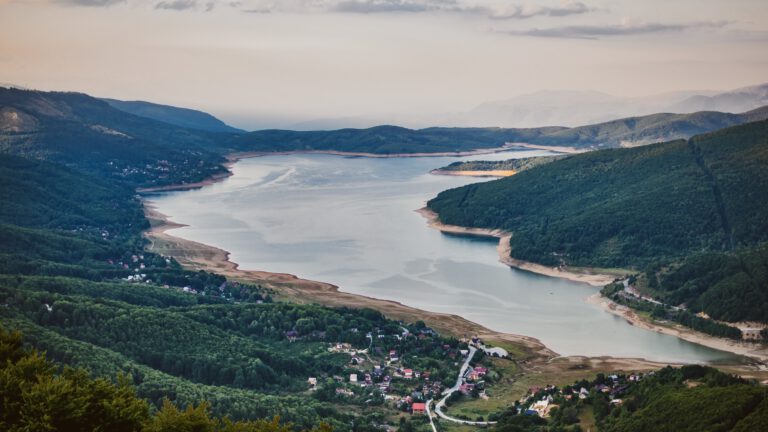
point(624, 29)
point(524, 12)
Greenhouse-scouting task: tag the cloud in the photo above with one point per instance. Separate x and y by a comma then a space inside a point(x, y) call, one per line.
point(91, 3)
point(177, 5)
point(523, 12)
point(624, 29)
point(389, 6)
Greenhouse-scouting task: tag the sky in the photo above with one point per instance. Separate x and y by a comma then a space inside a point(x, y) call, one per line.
point(307, 59)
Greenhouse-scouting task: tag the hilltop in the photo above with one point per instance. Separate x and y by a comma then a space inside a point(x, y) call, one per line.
point(184, 117)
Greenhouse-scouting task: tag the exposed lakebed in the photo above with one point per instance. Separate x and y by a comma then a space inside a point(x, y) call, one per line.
point(351, 222)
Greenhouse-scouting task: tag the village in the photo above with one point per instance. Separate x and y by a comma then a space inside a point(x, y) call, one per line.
point(388, 373)
point(540, 401)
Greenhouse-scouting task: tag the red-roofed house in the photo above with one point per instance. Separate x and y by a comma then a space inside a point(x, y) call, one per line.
point(419, 408)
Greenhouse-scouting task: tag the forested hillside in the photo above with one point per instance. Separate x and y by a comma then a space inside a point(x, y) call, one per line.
point(728, 286)
point(75, 279)
point(88, 134)
point(38, 396)
point(633, 207)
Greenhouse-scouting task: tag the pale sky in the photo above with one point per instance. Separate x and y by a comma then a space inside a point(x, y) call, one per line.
point(306, 59)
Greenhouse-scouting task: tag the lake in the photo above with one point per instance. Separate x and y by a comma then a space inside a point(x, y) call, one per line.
point(352, 222)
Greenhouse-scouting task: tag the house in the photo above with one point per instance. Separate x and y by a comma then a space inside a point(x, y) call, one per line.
point(751, 334)
point(408, 373)
point(466, 389)
point(583, 393)
point(477, 373)
point(541, 407)
point(496, 352)
point(419, 408)
point(344, 392)
point(393, 356)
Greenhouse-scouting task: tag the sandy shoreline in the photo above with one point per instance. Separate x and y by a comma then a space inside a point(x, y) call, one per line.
point(475, 173)
point(200, 256)
point(557, 149)
point(537, 356)
point(755, 351)
point(575, 275)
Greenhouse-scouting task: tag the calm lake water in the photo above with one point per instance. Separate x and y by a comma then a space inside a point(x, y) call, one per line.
point(351, 222)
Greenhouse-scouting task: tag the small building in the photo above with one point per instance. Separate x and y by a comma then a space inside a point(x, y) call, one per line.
point(419, 408)
point(751, 334)
point(408, 373)
point(353, 377)
point(496, 352)
point(312, 382)
point(583, 393)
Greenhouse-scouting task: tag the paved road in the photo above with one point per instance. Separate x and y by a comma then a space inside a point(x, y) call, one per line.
point(447, 393)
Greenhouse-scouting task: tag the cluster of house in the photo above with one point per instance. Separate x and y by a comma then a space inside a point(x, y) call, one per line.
point(540, 401)
point(160, 169)
point(473, 380)
point(370, 374)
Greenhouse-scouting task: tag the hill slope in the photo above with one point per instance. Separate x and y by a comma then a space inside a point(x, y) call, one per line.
point(628, 206)
point(87, 133)
point(662, 203)
point(184, 117)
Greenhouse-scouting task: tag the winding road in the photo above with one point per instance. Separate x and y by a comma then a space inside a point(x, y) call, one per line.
point(447, 393)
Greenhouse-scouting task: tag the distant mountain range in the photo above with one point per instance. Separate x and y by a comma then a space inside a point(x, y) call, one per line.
point(627, 132)
point(154, 148)
point(575, 108)
point(560, 108)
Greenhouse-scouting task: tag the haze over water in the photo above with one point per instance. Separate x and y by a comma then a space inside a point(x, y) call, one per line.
point(351, 222)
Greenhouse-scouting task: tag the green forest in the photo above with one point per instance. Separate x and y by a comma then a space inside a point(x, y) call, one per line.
point(117, 338)
point(75, 279)
point(640, 208)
